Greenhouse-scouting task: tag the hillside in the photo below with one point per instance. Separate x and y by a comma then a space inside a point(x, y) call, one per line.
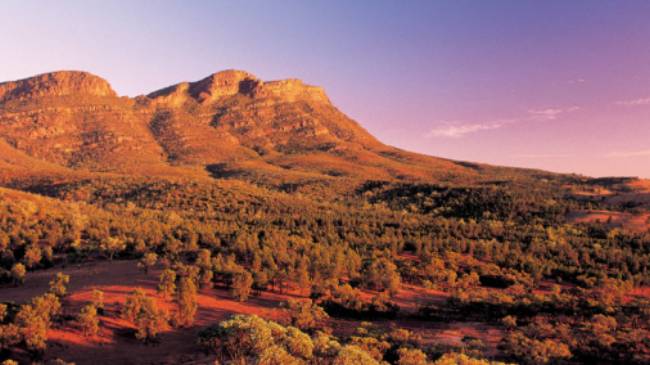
point(229, 124)
point(246, 221)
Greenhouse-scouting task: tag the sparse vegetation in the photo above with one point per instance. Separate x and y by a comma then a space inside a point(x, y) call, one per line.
point(88, 320)
point(144, 313)
point(167, 284)
point(367, 232)
point(186, 299)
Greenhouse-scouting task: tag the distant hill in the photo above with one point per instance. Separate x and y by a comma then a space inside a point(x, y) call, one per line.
point(281, 134)
point(229, 124)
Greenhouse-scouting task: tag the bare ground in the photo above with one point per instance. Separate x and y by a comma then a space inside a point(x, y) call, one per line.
point(116, 345)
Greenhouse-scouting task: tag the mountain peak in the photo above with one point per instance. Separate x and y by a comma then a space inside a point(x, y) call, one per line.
point(223, 83)
point(229, 122)
point(60, 83)
point(232, 82)
point(292, 89)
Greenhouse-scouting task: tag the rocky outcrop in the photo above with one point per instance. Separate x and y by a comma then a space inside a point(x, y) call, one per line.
point(291, 90)
point(220, 85)
point(230, 119)
point(208, 90)
point(62, 83)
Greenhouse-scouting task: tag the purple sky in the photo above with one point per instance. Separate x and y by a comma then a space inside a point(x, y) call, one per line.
point(558, 85)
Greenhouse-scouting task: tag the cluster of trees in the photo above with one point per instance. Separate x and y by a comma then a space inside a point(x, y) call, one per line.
point(276, 236)
point(564, 325)
point(351, 257)
point(145, 313)
point(488, 305)
point(346, 301)
point(26, 326)
point(599, 338)
point(250, 339)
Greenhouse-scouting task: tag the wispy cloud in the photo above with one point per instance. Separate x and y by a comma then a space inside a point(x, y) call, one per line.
point(641, 153)
point(634, 102)
point(544, 155)
point(457, 129)
point(576, 81)
point(551, 113)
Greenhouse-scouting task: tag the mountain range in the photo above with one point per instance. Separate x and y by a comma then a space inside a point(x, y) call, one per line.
point(229, 124)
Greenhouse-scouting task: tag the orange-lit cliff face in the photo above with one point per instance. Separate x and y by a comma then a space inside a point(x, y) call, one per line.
point(227, 124)
point(55, 84)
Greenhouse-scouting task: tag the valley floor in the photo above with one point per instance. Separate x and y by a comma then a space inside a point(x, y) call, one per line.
point(116, 345)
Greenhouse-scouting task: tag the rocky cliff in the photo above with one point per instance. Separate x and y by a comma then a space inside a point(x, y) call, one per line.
point(228, 124)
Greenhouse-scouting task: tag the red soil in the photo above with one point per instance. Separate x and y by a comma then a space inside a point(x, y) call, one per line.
point(641, 292)
point(632, 222)
point(116, 345)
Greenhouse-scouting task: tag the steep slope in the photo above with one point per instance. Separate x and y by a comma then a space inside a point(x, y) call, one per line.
point(229, 124)
point(286, 130)
point(76, 120)
point(16, 166)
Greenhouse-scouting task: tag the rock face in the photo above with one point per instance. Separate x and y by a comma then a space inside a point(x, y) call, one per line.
point(221, 85)
point(230, 123)
point(62, 83)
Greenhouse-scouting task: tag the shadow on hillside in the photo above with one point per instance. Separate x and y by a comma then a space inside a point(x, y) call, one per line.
point(221, 171)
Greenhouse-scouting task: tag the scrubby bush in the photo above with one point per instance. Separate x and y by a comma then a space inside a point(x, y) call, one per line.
point(148, 318)
point(88, 320)
point(187, 302)
point(306, 315)
point(167, 283)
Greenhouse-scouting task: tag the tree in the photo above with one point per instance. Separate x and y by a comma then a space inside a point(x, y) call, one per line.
point(204, 263)
point(133, 304)
point(98, 300)
point(276, 355)
point(148, 261)
point(374, 347)
point(240, 337)
point(304, 280)
point(298, 343)
point(4, 241)
point(88, 320)
point(204, 259)
point(241, 285)
point(187, 303)
point(351, 354)
point(48, 306)
point(306, 315)
point(58, 285)
point(3, 312)
point(325, 346)
point(32, 256)
point(533, 351)
point(462, 359)
point(381, 274)
point(32, 328)
point(251, 339)
point(150, 321)
point(10, 336)
point(601, 329)
point(18, 272)
point(112, 246)
point(510, 322)
point(408, 356)
point(48, 255)
point(144, 312)
point(167, 283)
